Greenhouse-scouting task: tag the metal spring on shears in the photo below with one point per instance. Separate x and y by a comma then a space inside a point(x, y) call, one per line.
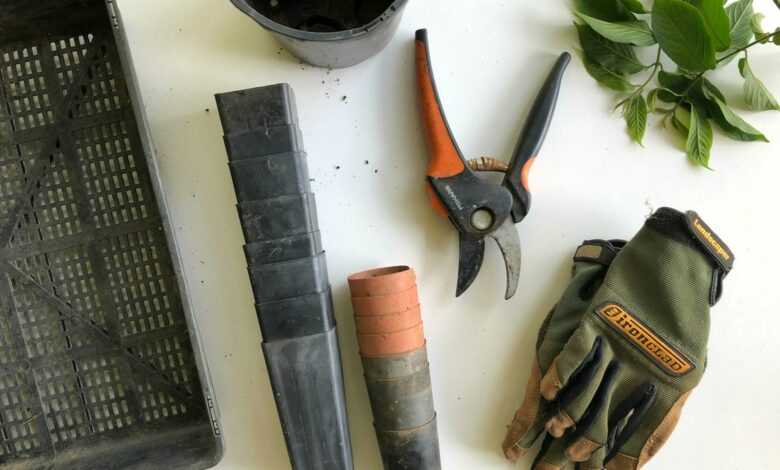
point(488, 164)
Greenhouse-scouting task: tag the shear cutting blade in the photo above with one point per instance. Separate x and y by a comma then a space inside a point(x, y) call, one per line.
point(472, 251)
point(509, 242)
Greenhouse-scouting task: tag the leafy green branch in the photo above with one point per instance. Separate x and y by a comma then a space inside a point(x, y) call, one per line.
point(698, 36)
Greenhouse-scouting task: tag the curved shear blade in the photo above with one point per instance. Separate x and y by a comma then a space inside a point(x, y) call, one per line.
point(509, 242)
point(472, 251)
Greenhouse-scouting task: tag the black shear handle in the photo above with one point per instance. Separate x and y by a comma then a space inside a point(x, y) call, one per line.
point(532, 138)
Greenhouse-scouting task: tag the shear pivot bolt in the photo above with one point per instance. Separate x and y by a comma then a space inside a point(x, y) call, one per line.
point(482, 219)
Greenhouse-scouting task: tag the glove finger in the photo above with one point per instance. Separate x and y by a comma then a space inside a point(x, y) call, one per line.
point(595, 462)
point(600, 446)
point(551, 455)
point(578, 395)
point(656, 439)
point(627, 417)
point(593, 429)
point(577, 354)
point(528, 422)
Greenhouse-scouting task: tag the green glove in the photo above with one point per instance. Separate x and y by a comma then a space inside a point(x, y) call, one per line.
point(591, 262)
point(623, 376)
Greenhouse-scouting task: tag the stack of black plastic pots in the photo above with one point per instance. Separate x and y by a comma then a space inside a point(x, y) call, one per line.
point(288, 272)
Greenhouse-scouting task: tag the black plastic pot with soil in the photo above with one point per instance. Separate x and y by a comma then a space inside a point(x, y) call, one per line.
point(335, 33)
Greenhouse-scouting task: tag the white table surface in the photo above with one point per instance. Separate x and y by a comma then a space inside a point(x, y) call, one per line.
point(490, 57)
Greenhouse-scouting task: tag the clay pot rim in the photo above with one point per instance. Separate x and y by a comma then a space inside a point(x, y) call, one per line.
point(385, 324)
point(379, 272)
point(403, 341)
point(398, 332)
point(417, 307)
point(382, 281)
point(380, 297)
point(395, 355)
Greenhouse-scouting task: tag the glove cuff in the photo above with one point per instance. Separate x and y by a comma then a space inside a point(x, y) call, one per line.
point(598, 251)
point(690, 230)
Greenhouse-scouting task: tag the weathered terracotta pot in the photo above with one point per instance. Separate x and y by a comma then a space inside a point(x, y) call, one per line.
point(386, 304)
point(391, 343)
point(382, 281)
point(390, 323)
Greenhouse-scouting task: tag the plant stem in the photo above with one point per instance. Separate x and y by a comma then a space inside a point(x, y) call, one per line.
point(737, 51)
point(641, 87)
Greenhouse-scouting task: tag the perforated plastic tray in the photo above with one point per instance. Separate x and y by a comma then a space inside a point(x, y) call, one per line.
point(100, 366)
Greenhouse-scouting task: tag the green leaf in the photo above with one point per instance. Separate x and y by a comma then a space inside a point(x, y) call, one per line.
point(607, 10)
point(683, 117)
point(716, 20)
point(740, 19)
point(635, 114)
point(618, 58)
point(776, 37)
point(757, 96)
point(777, 2)
point(699, 141)
point(694, 93)
point(634, 6)
point(606, 77)
point(666, 95)
point(674, 82)
point(625, 32)
point(652, 100)
point(730, 122)
point(682, 34)
point(755, 26)
point(681, 120)
point(709, 90)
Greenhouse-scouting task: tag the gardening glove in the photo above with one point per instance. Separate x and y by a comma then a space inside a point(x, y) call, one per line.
point(623, 376)
point(591, 261)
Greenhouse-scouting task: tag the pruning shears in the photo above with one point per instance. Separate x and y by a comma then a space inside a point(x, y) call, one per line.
point(477, 208)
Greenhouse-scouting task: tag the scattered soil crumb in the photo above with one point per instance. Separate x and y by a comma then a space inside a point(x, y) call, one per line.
point(376, 171)
point(208, 110)
point(365, 162)
point(338, 167)
point(344, 98)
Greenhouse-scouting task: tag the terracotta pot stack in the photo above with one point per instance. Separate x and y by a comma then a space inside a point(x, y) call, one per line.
point(395, 362)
